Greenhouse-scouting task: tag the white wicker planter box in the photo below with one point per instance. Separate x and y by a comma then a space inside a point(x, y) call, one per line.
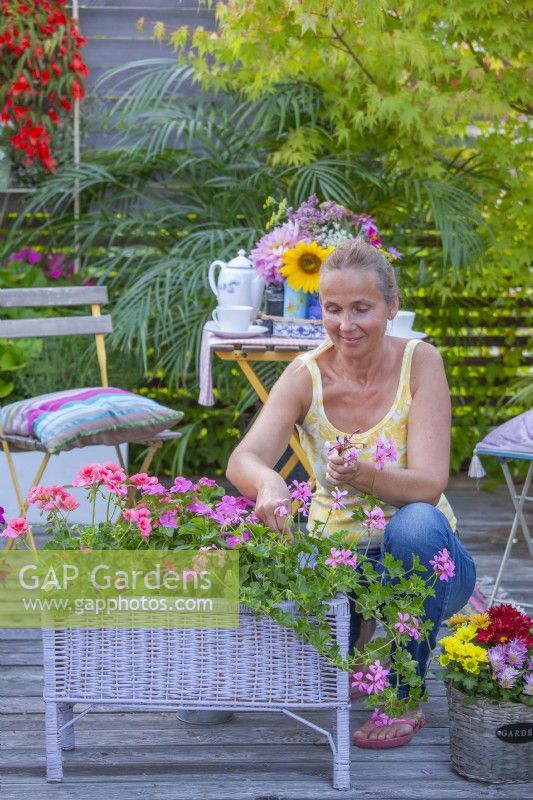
point(258, 666)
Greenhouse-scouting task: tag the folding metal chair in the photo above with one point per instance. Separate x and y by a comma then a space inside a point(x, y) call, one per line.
point(96, 324)
point(511, 441)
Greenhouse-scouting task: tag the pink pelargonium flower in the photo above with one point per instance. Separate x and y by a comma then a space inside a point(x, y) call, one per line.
point(443, 565)
point(300, 491)
point(348, 558)
point(156, 489)
point(385, 451)
point(334, 559)
point(113, 478)
point(351, 456)
point(337, 496)
point(182, 485)
point(377, 677)
point(375, 519)
point(402, 626)
point(234, 541)
point(281, 508)
point(207, 482)
point(231, 510)
point(202, 509)
point(141, 517)
point(380, 719)
point(168, 519)
point(50, 498)
point(89, 475)
point(408, 624)
point(143, 479)
point(16, 527)
point(358, 681)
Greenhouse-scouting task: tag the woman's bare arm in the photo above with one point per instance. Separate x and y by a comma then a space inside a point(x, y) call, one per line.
point(250, 466)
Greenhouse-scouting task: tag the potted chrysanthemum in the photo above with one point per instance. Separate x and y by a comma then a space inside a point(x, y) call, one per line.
point(488, 669)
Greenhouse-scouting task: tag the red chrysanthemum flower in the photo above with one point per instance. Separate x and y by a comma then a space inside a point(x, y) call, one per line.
point(506, 623)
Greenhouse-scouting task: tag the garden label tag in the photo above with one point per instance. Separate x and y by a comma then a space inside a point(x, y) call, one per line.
point(516, 732)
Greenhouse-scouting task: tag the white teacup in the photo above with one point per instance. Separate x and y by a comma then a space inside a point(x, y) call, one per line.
point(233, 318)
point(402, 323)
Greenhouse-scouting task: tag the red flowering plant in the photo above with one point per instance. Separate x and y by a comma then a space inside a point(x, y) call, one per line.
point(302, 567)
point(491, 655)
point(42, 74)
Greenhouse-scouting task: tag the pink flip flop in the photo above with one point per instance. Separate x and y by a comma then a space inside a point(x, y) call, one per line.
point(397, 741)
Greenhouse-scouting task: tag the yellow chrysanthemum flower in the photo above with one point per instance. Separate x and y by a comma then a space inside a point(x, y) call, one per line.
point(480, 620)
point(301, 265)
point(466, 633)
point(458, 619)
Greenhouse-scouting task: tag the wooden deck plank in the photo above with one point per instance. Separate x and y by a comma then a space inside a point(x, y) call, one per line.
point(262, 787)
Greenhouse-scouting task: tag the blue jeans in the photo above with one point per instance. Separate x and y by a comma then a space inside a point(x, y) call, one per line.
point(421, 529)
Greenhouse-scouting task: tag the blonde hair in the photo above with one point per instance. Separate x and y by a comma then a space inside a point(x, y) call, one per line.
point(358, 254)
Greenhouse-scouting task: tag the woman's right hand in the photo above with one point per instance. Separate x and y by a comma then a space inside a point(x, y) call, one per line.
point(272, 495)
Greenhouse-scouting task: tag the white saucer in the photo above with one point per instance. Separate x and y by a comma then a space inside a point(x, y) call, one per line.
point(253, 330)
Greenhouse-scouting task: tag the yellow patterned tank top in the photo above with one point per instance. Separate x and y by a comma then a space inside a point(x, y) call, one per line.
point(316, 430)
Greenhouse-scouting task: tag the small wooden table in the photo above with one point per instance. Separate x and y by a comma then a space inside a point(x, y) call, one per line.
point(245, 353)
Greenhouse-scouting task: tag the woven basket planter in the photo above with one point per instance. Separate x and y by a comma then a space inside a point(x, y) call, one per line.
point(476, 749)
point(258, 666)
point(294, 328)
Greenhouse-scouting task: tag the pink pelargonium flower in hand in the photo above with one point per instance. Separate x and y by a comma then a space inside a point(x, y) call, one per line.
point(337, 496)
point(16, 527)
point(375, 519)
point(281, 508)
point(443, 565)
point(351, 456)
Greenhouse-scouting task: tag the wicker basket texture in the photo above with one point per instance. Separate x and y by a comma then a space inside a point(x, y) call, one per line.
point(258, 666)
point(477, 752)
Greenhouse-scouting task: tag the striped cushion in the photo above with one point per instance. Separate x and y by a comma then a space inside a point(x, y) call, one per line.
point(79, 417)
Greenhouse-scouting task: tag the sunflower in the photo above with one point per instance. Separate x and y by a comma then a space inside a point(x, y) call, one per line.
point(301, 265)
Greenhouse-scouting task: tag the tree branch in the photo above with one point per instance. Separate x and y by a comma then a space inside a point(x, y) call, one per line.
point(349, 50)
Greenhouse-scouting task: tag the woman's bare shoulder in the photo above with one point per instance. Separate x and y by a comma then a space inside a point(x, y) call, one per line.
point(295, 385)
point(427, 364)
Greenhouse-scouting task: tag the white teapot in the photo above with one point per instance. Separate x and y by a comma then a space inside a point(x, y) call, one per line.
point(238, 283)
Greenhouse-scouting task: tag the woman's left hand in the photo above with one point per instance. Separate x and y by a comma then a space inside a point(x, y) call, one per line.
point(338, 471)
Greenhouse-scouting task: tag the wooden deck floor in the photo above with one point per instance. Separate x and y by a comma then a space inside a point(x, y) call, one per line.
point(129, 756)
